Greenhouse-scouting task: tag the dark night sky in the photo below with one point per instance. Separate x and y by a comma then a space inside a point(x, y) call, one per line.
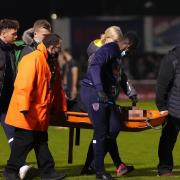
point(27, 11)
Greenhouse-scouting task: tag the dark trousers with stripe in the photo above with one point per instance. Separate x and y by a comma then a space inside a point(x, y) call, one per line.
point(166, 144)
point(106, 125)
point(9, 130)
point(24, 142)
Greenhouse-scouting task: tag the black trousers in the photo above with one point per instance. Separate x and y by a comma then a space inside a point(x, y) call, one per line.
point(166, 144)
point(9, 130)
point(24, 142)
point(105, 132)
point(111, 144)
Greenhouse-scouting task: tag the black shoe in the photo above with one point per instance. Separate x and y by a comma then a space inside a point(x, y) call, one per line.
point(10, 176)
point(53, 176)
point(87, 170)
point(103, 176)
point(165, 173)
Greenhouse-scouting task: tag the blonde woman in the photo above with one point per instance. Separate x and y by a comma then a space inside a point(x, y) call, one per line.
point(102, 84)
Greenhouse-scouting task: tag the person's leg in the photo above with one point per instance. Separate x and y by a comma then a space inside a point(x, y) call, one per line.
point(9, 130)
point(99, 114)
point(114, 128)
point(166, 145)
point(21, 146)
point(121, 168)
point(88, 167)
point(100, 124)
point(112, 148)
point(44, 158)
point(90, 155)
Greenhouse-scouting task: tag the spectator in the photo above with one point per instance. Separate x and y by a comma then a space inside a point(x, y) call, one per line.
point(168, 102)
point(71, 74)
point(69, 70)
point(32, 37)
point(8, 35)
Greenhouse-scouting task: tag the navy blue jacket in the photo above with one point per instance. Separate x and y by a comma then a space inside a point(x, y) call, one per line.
point(104, 63)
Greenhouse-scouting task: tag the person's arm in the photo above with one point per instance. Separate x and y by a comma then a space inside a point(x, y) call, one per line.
point(164, 83)
point(24, 83)
point(74, 71)
point(59, 102)
point(126, 85)
point(128, 88)
point(102, 55)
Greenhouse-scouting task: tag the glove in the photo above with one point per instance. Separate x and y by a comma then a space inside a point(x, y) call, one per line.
point(134, 99)
point(102, 97)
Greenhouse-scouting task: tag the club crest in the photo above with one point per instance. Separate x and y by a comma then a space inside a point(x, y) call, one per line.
point(95, 106)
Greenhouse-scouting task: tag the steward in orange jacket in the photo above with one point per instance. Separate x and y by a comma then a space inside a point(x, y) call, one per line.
point(37, 92)
point(32, 93)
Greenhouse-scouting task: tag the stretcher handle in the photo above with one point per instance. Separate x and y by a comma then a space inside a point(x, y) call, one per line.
point(155, 128)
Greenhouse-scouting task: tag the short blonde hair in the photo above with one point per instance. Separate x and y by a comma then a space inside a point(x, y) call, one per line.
point(113, 32)
point(42, 23)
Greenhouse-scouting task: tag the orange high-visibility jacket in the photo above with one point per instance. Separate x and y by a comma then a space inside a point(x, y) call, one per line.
point(32, 93)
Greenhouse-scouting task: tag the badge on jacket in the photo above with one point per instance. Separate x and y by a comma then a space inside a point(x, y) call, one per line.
point(95, 106)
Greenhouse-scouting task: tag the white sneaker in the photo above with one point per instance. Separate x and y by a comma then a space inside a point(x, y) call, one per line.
point(24, 170)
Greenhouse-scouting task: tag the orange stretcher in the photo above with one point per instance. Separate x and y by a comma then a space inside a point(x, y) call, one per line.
point(132, 120)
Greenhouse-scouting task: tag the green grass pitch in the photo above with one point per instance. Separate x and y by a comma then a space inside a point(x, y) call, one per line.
point(136, 148)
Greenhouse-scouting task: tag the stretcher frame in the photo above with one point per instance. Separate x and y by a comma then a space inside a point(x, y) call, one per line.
point(131, 121)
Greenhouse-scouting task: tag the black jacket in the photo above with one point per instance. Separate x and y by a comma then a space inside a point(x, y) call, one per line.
point(168, 83)
point(28, 49)
point(7, 74)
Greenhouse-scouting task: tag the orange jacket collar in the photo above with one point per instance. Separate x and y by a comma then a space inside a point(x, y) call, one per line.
point(41, 47)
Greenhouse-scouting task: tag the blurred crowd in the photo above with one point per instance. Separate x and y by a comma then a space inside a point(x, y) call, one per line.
point(139, 67)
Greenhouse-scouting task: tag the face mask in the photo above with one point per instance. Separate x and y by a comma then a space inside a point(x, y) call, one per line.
point(53, 55)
